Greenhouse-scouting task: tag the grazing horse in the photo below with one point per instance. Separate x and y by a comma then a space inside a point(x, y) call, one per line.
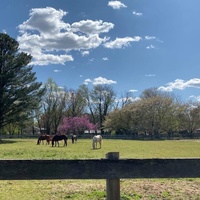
point(96, 139)
point(74, 139)
point(57, 138)
point(49, 139)
point(42, 138)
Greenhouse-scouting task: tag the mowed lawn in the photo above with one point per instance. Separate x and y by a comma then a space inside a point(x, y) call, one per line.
point(95, 189)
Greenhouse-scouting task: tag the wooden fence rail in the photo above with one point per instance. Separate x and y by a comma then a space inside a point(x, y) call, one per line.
point(111, 168)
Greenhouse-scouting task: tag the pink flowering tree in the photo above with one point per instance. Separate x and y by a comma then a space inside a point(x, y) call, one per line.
point(76, 125)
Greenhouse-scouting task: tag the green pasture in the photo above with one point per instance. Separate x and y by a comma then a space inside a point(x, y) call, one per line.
point(27, 149)
point(96, 189)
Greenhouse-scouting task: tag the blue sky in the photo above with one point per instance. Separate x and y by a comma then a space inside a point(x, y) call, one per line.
point(131, 44)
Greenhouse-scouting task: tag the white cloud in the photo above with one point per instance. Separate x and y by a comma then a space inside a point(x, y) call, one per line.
point(131, 99)
point(150, 75)
point(196, 98)
point(116, 4)
point(180, 84)
point(99, 81)
point(133, 90)
point(91, 27)
point(47, 21)
point(57, 70)
point(121, 42)
point(137, 13)
point(49, 39)
point(85, 53)
point(90, 60)
point(147, 37)
point(105, 58)
point(102, 81)
point(150, 47)
point(87, 81)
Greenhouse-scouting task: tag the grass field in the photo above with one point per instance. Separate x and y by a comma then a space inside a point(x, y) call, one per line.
point(95, 189)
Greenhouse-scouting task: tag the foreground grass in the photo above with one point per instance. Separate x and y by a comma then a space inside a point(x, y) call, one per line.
point(95, 189)
point(180, 189)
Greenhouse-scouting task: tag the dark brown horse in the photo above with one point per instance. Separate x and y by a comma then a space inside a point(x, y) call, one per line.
point(57, 138)
point(42, 138)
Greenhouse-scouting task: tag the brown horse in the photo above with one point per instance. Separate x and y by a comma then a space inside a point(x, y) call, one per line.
point(49, 139)
point(57, 138)
point(42, 138)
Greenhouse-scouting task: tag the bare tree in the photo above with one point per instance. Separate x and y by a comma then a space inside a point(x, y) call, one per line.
point(53, 106)
point(103, 97)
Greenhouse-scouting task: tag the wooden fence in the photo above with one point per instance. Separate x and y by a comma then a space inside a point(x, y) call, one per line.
point(110, 168)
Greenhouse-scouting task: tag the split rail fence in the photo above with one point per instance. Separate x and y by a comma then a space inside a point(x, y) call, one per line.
point(110, 168)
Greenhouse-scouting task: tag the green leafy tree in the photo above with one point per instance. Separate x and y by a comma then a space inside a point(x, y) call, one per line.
point(20, 94)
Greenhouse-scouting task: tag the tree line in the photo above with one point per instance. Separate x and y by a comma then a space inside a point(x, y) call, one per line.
point(24, 102)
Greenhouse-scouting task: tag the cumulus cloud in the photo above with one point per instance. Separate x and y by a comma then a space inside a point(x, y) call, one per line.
point(121, 42)
point(87, 81)
point(99, 81)
point(116, 4)
point(49, 39)
point(180, 84)
point(91, 27)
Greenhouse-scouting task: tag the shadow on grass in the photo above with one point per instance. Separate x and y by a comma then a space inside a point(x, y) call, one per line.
point(8, 141)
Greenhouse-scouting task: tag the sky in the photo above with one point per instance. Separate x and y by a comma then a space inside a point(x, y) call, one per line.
point(132, 45)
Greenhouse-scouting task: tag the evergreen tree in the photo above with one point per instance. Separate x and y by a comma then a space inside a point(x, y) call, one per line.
point(20, 94)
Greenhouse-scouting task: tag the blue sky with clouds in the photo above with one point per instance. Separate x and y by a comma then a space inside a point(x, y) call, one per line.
point(131, 44)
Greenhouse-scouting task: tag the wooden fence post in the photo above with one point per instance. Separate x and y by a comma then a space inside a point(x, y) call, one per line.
point(113, 185)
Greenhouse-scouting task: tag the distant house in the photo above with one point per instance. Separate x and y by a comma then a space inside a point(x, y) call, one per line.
point(92, 131)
